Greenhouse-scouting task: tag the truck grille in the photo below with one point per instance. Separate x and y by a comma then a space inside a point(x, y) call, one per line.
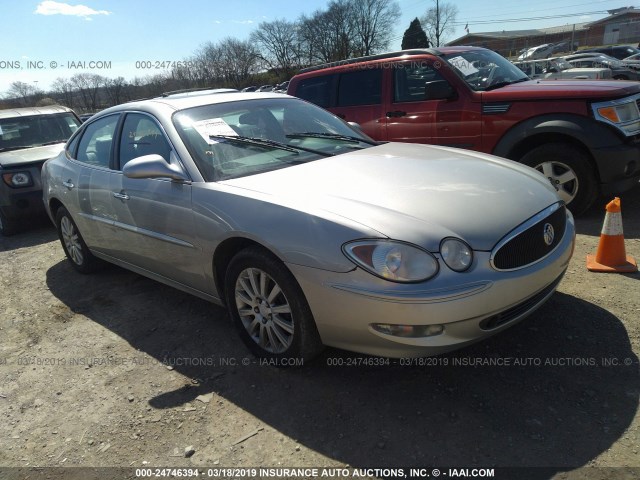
point(530, 243)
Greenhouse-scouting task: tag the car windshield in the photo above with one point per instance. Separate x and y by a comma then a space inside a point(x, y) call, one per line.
point(236, 139)
point(36, 130)
point(485, 69)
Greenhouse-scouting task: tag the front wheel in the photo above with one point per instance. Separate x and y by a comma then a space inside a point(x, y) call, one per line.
point(268, 307)
point(73, 244)
point(569, 171)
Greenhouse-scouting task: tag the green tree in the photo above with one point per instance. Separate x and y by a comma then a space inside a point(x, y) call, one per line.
point(415, 36)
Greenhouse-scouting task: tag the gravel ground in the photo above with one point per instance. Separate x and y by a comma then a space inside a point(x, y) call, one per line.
point(115, 370)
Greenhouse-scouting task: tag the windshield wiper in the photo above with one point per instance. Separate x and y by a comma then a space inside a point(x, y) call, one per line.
point(53, 142)
point(336, 136)
point(504, 84)
point(261, 142)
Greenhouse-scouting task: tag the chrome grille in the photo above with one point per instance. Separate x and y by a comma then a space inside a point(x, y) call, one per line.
point(527, 246)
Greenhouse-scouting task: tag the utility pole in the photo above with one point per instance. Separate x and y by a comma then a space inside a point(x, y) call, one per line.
point(573, 37)
point(437, 23)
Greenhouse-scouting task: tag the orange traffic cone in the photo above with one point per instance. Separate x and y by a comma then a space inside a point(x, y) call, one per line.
point(611, 255)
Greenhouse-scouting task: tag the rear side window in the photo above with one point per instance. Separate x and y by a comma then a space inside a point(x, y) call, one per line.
point(316, 90)
point(96, 142)
point(361, 87)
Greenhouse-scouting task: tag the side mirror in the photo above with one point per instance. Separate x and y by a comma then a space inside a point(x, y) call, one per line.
point(153, 166)
point(438, 90)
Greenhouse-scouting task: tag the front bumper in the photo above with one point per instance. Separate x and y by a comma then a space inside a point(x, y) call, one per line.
point(471, 306)
point(17, 204)
point(618, 167)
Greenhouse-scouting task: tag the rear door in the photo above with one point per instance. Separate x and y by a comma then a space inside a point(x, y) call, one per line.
point(87, 182)
point(359, 99)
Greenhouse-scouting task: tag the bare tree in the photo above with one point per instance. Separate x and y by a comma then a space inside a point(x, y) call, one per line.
point(63, 89)
point(330, 35)
point(439, 22)
point(238, 60)
point(279, 44)
point(374, 22)
point(88, 84)
point(115, 89)
point(23, 92)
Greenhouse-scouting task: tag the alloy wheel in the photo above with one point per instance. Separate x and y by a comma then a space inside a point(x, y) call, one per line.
point(71, 240)
point(264, 310)
point(562, 177)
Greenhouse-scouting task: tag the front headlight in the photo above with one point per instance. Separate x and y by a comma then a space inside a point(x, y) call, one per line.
point(392, 260)
point(456, 254)
point(622, 114)
point(18, 179)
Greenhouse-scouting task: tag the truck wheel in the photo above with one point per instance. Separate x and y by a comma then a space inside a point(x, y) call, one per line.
point(7, 227)
point(569, 171)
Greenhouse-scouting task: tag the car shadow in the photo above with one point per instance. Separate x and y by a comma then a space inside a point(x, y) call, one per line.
point(39, 231)
point(554, 391)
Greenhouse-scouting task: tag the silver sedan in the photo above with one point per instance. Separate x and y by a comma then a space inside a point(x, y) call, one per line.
point(309, 232)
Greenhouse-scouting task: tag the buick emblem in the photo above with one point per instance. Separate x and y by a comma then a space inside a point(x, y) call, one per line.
point(548, 233)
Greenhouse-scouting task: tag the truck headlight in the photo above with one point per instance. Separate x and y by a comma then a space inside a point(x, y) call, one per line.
point(622, 114)
point(18, 179)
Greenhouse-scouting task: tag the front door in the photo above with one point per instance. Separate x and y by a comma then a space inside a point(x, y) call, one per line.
point(153, 216)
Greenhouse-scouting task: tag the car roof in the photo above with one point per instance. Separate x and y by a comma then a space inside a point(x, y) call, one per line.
point(31, 111)
point(174, 103)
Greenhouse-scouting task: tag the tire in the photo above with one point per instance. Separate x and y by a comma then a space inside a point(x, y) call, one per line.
point(256, 285)
point(73, 244)
point(569, 171)
point(7, 227)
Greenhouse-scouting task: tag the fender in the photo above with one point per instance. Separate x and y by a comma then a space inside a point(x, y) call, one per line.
point(592, 134)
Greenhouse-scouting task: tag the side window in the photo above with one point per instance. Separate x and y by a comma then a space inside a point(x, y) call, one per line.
point(410, 81)
point(96, 141)
point(72, 145)
point(141, 136)
point(361, 87)
point(316, 90)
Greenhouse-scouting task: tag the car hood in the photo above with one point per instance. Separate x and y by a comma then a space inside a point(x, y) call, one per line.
point(415, 193)
point(29, 155)
point(561, 90)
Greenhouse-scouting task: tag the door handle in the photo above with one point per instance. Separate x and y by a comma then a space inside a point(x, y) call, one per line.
point(68, 184)
point(396, 113)
point(120, 196)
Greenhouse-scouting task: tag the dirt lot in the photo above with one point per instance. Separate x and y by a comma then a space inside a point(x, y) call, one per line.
point(113, 369)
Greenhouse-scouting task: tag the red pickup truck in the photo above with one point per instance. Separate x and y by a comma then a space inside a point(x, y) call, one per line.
point(583, 135)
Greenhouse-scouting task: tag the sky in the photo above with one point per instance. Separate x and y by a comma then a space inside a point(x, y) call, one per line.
point(46, 39)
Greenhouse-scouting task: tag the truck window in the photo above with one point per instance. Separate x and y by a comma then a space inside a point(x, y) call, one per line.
point(409, 82)
point(316, 90)
point(362, 87)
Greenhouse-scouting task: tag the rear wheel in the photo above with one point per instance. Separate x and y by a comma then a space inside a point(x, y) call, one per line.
point(268, 307)
point(569, 171)
point(73, 245)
